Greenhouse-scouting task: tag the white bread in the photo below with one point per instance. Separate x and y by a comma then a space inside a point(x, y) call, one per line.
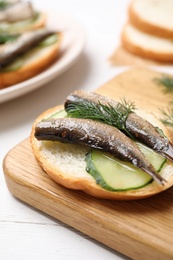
point(65, 164)
point(33, 62)
point(146, 39)
point(146, 45)
point(23, 26)
point(152, 16)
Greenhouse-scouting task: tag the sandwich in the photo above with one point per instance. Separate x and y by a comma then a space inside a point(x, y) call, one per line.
point(103, 147)
point(25, 55)
point(19, 16)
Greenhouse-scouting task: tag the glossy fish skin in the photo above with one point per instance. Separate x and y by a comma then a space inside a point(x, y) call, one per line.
point(16, 12)
point(10, 51)
point(138, 127)
point(96, 135)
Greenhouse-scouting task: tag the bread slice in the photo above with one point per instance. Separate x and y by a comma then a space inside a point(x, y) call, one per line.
point(65, 164)
point(33, 62)
point(26, 25)
point(152, 16)
point(146, 45)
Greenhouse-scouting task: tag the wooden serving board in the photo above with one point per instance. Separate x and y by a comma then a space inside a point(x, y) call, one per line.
point(140, 229)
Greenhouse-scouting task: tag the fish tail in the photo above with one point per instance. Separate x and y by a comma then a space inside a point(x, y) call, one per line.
point(156, 176)
point(169, 152)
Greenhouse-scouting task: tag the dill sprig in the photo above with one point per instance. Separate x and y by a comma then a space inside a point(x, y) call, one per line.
point(166, 81)
point(7, 37)
point(3, 4)
point(112, 115)
point(167, 116)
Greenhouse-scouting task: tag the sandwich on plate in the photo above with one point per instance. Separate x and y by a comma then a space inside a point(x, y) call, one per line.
point(26, 55)
point(19, 16)
point(105, 148)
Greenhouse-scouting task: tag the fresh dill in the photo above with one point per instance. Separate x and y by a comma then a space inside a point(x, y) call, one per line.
point(3, 5)
point(112, 115)
point(166, 81)
point(167, 116)
point(4, 38)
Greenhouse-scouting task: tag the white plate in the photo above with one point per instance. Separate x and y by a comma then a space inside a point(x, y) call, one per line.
point(72, 46)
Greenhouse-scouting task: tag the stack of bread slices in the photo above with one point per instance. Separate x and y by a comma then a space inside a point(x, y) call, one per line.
point(147, 37)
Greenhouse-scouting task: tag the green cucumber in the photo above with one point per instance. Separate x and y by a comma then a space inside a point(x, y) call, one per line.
point(49, 41)
point(115, 175)
point(17, 26)
point(5, 37)
point(16, 65)
point(60, 114)
point(154, 158)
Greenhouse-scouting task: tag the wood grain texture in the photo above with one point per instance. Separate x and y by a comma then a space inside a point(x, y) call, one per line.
point(123, 57)
point(139, 229)
point(139, 85)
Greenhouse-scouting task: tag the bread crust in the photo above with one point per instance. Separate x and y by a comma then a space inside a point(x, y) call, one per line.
point(144, 52)
point(38, 23)
point(147, 27)
point(33, 68)
point(88, 184)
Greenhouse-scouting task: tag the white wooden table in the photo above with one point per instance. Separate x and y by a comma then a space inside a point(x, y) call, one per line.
point(26, 233)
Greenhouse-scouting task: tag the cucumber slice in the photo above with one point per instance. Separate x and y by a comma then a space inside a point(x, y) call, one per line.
point(154, 158)
point(5, 37)
point(60, 114)
point(49, 41)
point(17, 26)
point(115, 175)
